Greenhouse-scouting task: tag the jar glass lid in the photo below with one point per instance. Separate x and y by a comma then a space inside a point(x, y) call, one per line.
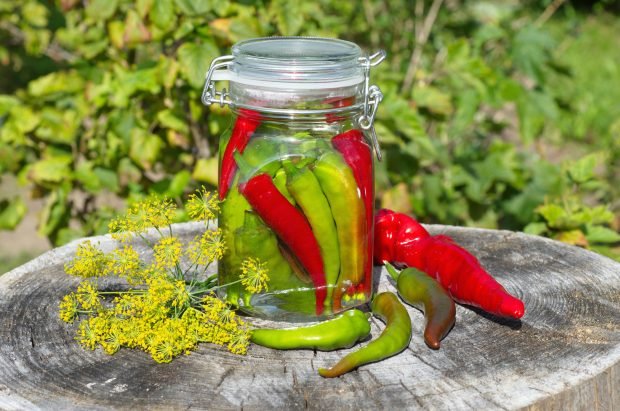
point(297, 60)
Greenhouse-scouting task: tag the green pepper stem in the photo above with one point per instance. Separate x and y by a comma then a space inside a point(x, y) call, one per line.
point(392, 271)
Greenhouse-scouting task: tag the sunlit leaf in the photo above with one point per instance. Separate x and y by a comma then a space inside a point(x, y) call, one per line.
point(195, 59)
point(12, 212)
point(101, 9)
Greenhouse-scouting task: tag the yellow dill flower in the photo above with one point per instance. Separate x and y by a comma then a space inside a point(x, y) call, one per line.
point(212, 307)
point(162, 349)
point(206, 248)
point(181, 295)
point(254, 275)
point(88, 296)
point(125, 262)
point(203, 205)
point(129, 305)
point(239, 342)
point(89, 261)
point(150, 212)
point(68, 308)
point(227, 315)
point(167, 252)
point(112, 342)
point(86, 335)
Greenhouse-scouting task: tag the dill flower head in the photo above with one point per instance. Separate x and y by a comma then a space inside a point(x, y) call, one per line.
point(68, 308)
point(89, 261)
point(167, 252)
point(239, 341)
point(207, 248)
point(151, 212)
point(203, 205)
point(254, 275)
point(124, 262)
point(88, 296)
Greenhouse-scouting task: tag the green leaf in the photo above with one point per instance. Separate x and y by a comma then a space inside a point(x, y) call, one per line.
point(108, 178)
point(144, 6)
point(58, 126)
point(7, 103)
point(35, 13)
point(85, 175)
point(162, 14)
point(195, 60)
point(11, 213)
point(59, 82)
point(145, 148)
point(55, 214)
point(531, 50)
point(554, 215)
point(582, 170)
point(116, 31)
point(169, 120)
point(289, 16)
point(574, 237)
point(25, 118)
point(535, 228)
point(52, 170)
point(433, 99)
point(205, 171)
point(601, 235)
point(101, 9)
point(179, 184)
point(194, 7)
point(136, 31)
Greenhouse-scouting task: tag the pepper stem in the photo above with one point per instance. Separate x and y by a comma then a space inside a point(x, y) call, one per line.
point(392, 270)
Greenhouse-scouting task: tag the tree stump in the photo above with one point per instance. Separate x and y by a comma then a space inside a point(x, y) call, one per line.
point(563, 354)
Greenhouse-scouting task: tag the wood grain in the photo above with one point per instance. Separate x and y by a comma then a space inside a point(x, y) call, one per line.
point(564, 354)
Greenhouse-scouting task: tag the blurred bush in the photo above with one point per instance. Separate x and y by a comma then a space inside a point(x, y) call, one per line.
point(497, 114)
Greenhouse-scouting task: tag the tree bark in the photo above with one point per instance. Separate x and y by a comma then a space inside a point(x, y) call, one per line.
point(563, 354)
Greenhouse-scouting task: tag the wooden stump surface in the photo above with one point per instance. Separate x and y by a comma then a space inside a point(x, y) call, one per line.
point(564, 354)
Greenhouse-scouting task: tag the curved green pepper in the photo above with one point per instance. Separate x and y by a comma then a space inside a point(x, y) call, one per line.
point(340, 188)
point(231, 218)
point(394, 338)
point(261, 155)
point(255, 239)
point(305, 189)
point(341, 331)
point(279, 180)
point(425, 293)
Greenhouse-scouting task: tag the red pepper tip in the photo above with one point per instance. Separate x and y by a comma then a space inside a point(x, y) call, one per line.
point(513, 308)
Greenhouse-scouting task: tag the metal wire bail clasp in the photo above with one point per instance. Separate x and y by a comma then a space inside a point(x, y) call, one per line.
point(372, 98)
point(209, 94)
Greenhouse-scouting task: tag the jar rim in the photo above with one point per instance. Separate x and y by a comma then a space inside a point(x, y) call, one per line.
point(297, 59)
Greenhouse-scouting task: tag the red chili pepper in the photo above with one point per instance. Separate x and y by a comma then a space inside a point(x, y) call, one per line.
point(358, 156)
point(247, 122)
point(400, 239)
point(392, 230)
point(338, 102)
point(291, 226)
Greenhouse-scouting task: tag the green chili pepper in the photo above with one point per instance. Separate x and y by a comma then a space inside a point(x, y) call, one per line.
point(425, 293)
point(232, 216)
point(256, 240)
point(392, 340)
point(340, 188)
point(279, 180)
point(260, 156)
point(341, 331)
point(305, 189)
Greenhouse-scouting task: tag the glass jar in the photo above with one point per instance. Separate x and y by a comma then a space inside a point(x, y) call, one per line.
point(296, 175)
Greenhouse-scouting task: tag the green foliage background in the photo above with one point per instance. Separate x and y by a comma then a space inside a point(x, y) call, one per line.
point(499, 114)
